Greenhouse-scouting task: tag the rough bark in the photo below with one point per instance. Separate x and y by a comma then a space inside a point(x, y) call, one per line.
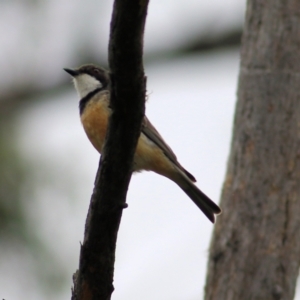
point(94, 279)
point(255, 250)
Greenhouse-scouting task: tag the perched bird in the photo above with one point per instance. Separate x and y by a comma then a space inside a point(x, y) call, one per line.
point(152, 153)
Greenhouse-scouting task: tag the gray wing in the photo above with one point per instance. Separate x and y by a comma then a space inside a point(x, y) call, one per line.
point(152, 134)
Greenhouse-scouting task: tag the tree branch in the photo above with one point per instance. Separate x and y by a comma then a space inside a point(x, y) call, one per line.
point(95, 276)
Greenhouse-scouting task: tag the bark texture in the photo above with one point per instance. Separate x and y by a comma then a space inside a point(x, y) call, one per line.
point(94, 279)
point(255, 250)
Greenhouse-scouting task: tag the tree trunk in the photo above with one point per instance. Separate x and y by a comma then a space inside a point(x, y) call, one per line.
point(255, 250)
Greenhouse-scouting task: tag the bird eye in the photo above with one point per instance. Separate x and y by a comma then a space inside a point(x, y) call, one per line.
point(96, 71)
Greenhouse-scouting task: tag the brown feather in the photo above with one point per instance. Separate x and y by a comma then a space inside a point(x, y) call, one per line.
point(150, 131)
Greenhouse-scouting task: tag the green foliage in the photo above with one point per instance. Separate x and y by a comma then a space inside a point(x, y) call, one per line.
point(18, 236)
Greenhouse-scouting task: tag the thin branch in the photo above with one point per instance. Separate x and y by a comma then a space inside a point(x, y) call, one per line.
point(94, 279)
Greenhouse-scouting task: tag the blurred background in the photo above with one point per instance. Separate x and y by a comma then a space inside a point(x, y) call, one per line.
point(48, 166)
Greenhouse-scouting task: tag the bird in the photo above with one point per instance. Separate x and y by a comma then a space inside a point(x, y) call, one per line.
point(93, 86)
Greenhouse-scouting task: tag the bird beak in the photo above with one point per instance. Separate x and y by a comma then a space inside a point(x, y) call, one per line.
point(72, 72)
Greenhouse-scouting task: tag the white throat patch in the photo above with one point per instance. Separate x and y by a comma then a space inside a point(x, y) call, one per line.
point(85, 84)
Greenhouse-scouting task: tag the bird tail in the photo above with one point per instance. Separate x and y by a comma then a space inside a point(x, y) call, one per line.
point(208, 207)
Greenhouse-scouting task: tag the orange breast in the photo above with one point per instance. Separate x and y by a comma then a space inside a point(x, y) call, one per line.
point(148, 156)
point(94, 120)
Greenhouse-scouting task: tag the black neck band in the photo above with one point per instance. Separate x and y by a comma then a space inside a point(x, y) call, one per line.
point(83, 102)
